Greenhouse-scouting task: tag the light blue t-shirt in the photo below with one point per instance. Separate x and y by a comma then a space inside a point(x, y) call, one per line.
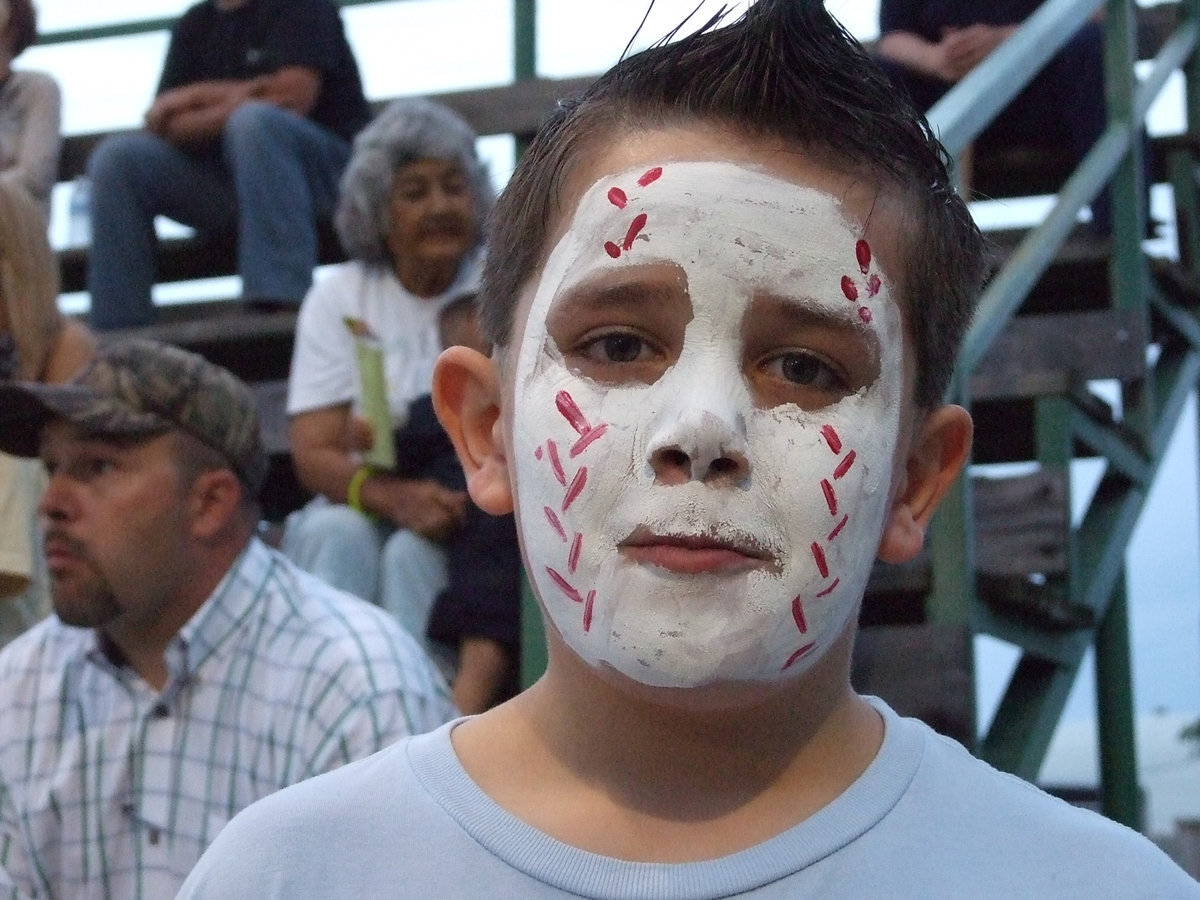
point(926, 819)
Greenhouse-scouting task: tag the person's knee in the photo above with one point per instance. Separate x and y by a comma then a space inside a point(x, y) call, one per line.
point(327, 526)
point(117, 156)
point(255, 125)
point(406, 548)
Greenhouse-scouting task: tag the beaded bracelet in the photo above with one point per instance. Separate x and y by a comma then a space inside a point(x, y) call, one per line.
point(354, 489)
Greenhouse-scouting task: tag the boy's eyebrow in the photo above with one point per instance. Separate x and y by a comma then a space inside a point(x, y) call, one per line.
point(809, 312)
point(599, 293)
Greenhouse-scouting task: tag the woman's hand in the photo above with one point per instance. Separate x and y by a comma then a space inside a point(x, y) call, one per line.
point(420, 505)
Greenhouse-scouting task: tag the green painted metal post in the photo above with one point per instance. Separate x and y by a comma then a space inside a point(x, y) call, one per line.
point(1120, 796)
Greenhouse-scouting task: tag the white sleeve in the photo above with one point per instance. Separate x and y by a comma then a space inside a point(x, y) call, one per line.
point(324, 370)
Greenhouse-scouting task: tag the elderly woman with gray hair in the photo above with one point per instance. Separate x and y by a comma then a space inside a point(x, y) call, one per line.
point(414, 199)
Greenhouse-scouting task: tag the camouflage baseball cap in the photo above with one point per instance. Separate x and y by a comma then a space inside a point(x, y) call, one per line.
point(140, 387)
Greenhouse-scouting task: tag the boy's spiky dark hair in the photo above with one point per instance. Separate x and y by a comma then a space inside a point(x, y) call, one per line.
point(785, 70)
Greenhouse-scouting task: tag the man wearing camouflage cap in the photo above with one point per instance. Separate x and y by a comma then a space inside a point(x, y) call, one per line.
point(189, 669)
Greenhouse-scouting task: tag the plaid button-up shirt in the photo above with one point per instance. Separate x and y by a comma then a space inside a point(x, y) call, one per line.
point(111, 789)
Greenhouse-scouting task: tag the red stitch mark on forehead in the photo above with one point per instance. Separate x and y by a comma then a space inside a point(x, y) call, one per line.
point(798, 615)
point(617, 197)
point(831, 438)
point(537, 453)
point(635, 228)
point(874, 283)
point(819, 558)
point(849, 288)
point(844, 466)
point(650, 176)
point(864, 315)
point(612, 249)
point(862, 250)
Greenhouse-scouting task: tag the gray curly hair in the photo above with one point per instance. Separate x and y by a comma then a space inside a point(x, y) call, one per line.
point(407, 130)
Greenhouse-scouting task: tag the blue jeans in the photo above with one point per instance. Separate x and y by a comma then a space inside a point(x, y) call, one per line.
point(272, 177)
point(393, 568)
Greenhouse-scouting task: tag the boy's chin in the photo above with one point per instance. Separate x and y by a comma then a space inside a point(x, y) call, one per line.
point(716, 695)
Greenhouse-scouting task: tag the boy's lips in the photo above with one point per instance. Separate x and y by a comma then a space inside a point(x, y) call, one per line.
point(696, 554)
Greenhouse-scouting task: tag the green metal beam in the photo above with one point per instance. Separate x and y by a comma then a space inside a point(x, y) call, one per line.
point(1120, 797)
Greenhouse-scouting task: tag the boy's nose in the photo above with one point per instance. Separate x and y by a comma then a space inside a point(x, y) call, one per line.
point(700, 445)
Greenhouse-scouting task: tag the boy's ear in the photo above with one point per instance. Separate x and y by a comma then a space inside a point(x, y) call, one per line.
point(936, 456)
point(466, 397)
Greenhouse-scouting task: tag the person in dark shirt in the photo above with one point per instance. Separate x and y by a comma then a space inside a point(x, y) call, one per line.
point(928, 46)
point(476, 618)
point(249, 132)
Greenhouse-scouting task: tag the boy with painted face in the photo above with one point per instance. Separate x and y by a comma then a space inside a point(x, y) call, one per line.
point(726, 287)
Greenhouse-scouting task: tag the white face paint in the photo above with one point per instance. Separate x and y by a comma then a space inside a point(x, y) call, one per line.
point(709, 393)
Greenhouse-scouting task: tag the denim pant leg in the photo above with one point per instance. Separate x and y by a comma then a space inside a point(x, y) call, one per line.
point(412, 574)
point(286, 171)
point(338, 544)
point(134, 178)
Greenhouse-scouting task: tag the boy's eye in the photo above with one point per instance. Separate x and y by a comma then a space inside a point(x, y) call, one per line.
point(802, 377)
point(618, 357)
point(806, 369)
point(616, 347)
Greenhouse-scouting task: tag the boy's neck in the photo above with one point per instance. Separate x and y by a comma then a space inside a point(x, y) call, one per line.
point(601, 768)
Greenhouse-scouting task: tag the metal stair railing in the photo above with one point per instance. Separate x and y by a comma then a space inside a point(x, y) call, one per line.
point(1132, 447)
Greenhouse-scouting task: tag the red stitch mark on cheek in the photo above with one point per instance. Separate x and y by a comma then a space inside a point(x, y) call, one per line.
point(849, 288)
point(556, 463)
point(573, 556)
point(798, 615)
point(617, 197)
point(874, 283)
point(829, 590)
point(571, 412)
point(862, 250)
point(612, 249)
point(830, 496)
point(537, 453)
point(635, 228)
point(650, 176)
point(819, 558)
point(795, 656)
point(582, 444)
point(555, 522)
point(831, 438)
point(564, 586)
point(587, 611)
point(837, 529)
point(844, 466)
point(864, 315)
point(577, 484)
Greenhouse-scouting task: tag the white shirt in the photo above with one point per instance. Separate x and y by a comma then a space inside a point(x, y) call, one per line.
point(324, 367)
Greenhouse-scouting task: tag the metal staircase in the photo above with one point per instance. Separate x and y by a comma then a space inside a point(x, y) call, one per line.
point(1149, 343)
